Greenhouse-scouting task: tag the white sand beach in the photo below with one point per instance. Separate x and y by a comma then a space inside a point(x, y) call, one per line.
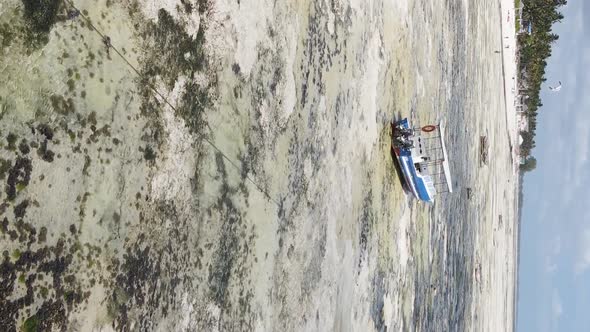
point(496, 278)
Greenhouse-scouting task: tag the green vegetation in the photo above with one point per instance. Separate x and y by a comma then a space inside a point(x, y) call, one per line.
point(517, 5)
point(5, 166)
point(535, 48)
point(71, 85)
point(44, 292)
point(20, 186)
point(16, 254)
point(31, 324)
point(11, 139)
point(529, 164)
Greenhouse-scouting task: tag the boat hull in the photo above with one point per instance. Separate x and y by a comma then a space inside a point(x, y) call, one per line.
point(414, 182)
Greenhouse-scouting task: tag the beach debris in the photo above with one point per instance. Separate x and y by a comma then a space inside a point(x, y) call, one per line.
point(469, 191)
point(73, 13)
point(477, 272)
point(483, 150)
point(555, 88)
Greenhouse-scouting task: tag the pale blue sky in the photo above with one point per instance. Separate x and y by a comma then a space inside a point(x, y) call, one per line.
point(554, 279)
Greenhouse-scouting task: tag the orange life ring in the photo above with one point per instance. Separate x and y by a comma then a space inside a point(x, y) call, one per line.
point(428, 128)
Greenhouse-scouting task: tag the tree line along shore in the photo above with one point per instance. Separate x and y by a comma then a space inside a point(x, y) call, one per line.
point(535, 39)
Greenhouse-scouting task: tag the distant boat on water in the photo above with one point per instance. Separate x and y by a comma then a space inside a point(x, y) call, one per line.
point(422, 158)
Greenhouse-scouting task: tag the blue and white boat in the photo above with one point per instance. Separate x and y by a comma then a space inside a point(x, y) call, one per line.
point(422, 158)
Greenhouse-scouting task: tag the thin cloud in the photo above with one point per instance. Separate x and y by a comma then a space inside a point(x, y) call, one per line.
point(550, 259)
point(575, 129)
point(556, 309)
point(557, 245)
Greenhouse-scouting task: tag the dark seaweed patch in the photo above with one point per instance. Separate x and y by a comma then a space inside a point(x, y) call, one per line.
point(149, 154)
point(19, 174)
point(23, 147)
point(230, 257)
point(71, 85)
point(86, 165)
point(194, 102)
point(28, 267)
point(4, 225)
point(45, 130)
point(11, 139)
point(42, 235)
point(45, 154)
point(188, 7)
point(21, 209)
point(236, 68)
point(204, 6)
point(40, 16)
point(378, 302)
point(8, 34)
point(177, 50)
point(61, 105)
point(138, 274)
point(366, 220)
point(5, 165)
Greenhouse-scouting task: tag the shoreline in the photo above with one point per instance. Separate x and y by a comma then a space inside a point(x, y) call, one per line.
point(509, 73)
point(509, 69)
